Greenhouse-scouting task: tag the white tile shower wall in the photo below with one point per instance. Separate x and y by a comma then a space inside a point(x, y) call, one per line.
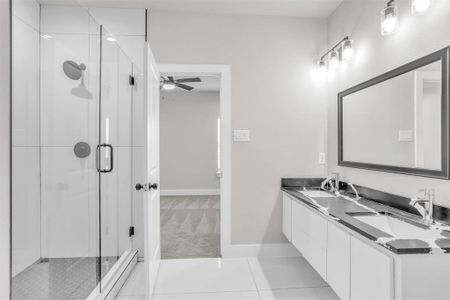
point(127, 26)
point(375, 54)
point(69, 204)
point(26, 156)
point(26, 207)
point(27, 11)
point(69, 114)
point(5, 179)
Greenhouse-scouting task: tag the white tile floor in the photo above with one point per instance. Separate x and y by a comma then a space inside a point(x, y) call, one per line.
point(231, 279)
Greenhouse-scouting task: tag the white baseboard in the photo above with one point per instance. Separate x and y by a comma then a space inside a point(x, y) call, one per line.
point(190, 192)
point(260, 250)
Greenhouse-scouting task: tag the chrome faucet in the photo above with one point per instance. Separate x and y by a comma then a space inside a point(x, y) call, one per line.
point(424, 204)
point(333, 181)
point(357, 197)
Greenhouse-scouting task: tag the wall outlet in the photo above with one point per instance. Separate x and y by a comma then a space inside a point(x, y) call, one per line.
point(241, 135)
point(406, 136)
point(322, 158)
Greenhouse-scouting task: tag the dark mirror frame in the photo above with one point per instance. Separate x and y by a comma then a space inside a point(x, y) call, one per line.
point(441, 55)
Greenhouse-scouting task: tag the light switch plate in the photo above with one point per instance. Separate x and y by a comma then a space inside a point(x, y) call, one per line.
point(241, 135)
point(322, 158)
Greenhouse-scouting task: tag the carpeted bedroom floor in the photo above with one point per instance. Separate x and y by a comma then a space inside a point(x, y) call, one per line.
point(190, 226)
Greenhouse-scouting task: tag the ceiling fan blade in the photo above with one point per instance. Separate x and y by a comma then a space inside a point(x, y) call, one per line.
point(183, 86)
point(196, 79)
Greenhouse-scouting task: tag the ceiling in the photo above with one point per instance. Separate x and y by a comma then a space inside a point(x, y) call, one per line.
point(294, 8)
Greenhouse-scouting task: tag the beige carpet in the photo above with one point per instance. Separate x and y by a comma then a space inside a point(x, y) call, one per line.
point(190, 226)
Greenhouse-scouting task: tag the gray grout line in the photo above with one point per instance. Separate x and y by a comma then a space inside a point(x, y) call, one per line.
point(253, 277)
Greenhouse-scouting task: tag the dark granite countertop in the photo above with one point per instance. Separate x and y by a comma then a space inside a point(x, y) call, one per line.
point(344, 209)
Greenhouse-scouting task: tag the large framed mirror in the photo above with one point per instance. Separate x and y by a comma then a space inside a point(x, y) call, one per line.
point(399, 121)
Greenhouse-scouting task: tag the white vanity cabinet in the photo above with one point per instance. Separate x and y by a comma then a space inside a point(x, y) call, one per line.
point(287, 216)
point(338, 261)
point(357, 268)
point(371, 273)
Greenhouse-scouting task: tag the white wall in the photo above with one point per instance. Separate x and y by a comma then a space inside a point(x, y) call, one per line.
point(26, 205)
point(5, 179)
point(375, 54)
point(272, 94)
point(188, 140)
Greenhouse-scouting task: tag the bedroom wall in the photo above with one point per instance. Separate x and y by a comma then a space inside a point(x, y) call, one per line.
point(188, 141)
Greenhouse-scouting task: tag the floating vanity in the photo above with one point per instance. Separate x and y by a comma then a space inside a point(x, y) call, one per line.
point(365, 249)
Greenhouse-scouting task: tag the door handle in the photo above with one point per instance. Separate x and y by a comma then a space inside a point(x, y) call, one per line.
point(152, 186)
point(139, 187)
point(111, 158)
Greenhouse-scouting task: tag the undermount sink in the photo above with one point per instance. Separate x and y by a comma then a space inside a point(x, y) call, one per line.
point(398, 228)
point(317, 194)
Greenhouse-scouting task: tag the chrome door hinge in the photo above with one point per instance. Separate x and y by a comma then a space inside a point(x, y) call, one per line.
point(131, 80)
point(131, 231)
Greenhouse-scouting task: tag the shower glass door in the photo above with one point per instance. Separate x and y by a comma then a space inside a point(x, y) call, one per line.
point(72, 152)
point(115, 152)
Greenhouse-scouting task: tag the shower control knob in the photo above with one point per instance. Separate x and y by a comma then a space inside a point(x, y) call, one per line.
point(153, 186)
point(139, 187)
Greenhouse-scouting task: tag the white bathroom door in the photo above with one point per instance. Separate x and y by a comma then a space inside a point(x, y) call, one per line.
point(152, 196)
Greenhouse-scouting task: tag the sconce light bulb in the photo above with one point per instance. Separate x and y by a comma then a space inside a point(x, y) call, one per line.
point(347, 49)
point(322, 68)
point(419, 7)
point(389, 19)
point(333, 61)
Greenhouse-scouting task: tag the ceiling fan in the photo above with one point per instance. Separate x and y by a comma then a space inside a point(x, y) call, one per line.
point(169, 83)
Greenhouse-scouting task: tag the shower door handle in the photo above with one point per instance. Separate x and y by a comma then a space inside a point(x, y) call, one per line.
point(111, 158)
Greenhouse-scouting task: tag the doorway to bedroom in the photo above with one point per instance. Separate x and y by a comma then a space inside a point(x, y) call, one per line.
point(190, 155)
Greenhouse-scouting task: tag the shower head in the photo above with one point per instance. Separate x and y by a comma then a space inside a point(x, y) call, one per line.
point(73, 70)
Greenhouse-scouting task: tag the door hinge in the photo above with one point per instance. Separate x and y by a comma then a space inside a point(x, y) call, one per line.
point(131, 231)
point(131, 80)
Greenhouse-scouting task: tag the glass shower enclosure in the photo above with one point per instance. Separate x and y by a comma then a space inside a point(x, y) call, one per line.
point(75, 100)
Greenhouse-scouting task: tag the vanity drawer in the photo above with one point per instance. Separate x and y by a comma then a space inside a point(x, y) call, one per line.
point(313, 225)
point(305, 225)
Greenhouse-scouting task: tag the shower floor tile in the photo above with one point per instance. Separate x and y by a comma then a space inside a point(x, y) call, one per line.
point(59, 278)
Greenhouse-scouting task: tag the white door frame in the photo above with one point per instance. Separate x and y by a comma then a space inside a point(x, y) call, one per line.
point(225, 121)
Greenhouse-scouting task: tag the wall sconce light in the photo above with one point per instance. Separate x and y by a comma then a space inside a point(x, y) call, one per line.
point(419, 7)
point(344, 49)
point(322, 67)
point(347, 49)
point(333, 60)
point(389, 18)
